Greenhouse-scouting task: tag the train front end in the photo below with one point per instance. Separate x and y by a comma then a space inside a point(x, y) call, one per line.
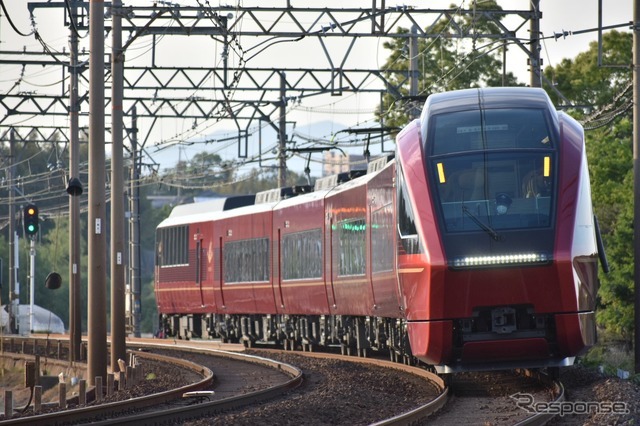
point(497, 253)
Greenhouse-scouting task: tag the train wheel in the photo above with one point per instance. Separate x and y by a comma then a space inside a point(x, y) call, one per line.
point(289, 345)
point(345, 350)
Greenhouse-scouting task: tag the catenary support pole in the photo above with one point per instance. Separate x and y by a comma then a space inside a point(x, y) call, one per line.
point(118, 335)
point(636, 178)
point(414, 110)
point(134, 236)
point(13, 240)
point(75, 323)
point(97, 264)
point(535, 68)
point(282, 132)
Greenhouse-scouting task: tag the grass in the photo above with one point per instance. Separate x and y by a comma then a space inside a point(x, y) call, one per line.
point(611, 354)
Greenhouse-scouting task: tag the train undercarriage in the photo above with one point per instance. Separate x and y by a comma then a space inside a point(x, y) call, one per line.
point(351, 335)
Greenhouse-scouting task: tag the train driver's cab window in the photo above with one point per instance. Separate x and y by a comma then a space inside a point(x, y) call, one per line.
point(493, 168)
point(500, 191)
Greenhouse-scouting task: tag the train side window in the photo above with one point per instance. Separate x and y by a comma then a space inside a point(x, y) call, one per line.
point(351, 250)
point(173, 246)
point(246, 260)
point(302, 255)
point(382, 238)
point(407, 231)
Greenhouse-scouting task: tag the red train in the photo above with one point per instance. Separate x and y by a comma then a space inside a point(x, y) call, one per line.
point(474, 248)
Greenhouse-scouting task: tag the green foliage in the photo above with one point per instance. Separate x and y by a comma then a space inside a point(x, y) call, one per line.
point(149, 322)
point(610, 154)
point(610, 353)
point(444, 63)
point(583, 83)
point(52, 255)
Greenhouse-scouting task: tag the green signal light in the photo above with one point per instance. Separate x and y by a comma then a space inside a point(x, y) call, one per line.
point(30, 219)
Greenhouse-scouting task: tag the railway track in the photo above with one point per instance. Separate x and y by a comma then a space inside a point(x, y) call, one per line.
point(499, 397)
point(233, 393)
point(170, 405)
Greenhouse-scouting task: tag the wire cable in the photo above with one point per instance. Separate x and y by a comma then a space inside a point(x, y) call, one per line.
point(4, 9)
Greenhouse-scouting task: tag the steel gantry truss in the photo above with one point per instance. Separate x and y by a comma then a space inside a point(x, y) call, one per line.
point(244, 92)
point(240, 86)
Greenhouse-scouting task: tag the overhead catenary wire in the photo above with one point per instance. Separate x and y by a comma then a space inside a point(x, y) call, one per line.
point(206, 124)
point(13, 26)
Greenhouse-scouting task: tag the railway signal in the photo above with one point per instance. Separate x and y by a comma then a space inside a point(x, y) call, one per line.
point(30, 219)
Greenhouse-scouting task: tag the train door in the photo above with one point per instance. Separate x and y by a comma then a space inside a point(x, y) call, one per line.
point(209, 276)
point(278, 269)
point(198, 266)
point(329, 264)
point(220, 273)
point(369, 253)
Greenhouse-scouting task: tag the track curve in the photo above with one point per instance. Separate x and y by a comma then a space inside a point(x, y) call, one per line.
point(183, 411)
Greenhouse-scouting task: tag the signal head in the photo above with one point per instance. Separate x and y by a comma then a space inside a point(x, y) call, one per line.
point(30, 219)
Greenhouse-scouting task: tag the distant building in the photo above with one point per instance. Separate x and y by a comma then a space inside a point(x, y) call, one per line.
point(335, 162)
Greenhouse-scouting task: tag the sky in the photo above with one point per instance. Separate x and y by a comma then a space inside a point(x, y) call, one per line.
point(318, 117)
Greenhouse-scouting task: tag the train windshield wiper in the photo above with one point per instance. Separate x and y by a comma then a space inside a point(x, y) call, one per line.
point(486, 228)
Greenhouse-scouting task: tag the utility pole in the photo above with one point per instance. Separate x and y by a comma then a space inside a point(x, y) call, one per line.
point(282, 132)
point(134, 229)
point(97, 268)
point(414, 110)
point(13, 271)
point(75, 324)
point(535, 69)
point(636, 178)
point(118, 335)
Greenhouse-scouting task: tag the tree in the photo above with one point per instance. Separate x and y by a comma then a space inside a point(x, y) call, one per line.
point(445, 62)
point(52, 255)
point(610, 153)
point(586, 84)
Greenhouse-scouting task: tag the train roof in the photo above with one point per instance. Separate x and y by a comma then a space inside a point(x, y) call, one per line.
point(218, 204)
point(271, 199)
point(207, 210)
point(278, 194)
point(490, 97)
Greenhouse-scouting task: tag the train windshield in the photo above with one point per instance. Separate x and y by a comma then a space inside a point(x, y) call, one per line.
point(493, 174)
point(495, 190)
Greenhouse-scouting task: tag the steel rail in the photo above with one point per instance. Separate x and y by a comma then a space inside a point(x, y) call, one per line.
point(115, 408)
point(542, 418)
point(412, 416)
point(206, 409)
point(114, 412)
